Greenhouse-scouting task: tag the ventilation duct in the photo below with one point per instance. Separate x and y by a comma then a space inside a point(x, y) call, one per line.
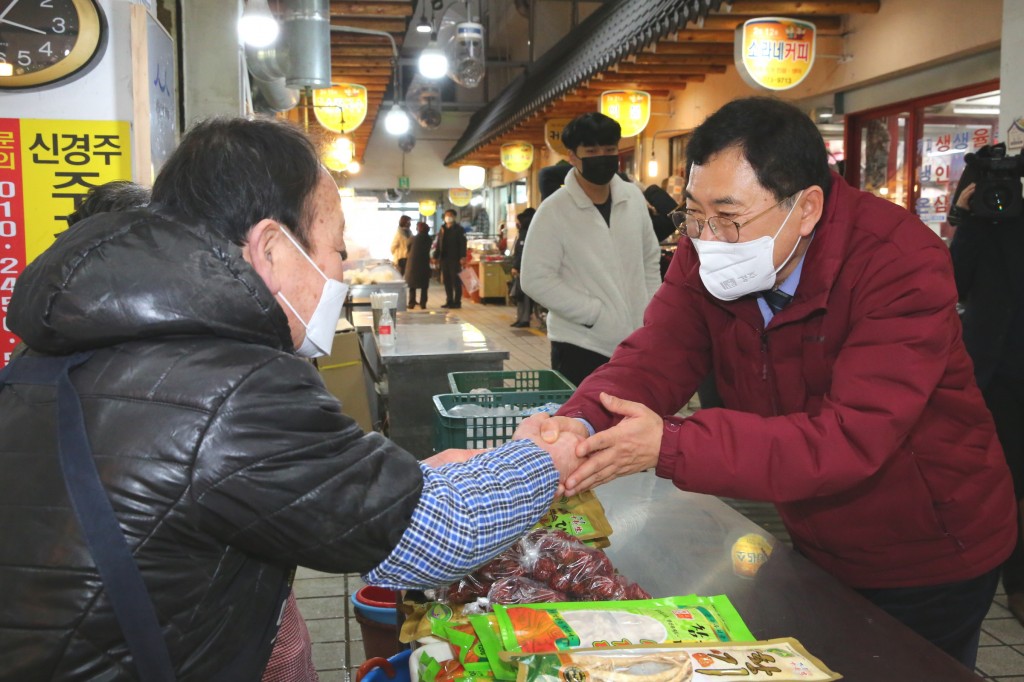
point(306, 36)
point(269, 80)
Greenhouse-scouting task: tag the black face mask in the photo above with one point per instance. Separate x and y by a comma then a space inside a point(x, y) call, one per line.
point(600, 169)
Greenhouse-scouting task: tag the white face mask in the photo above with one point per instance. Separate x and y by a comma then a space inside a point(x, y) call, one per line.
point(730, 271)
point(324, 321)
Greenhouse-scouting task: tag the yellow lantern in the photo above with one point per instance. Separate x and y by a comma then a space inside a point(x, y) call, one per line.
point(340, 108)
point(774, 53)
point(517, 156)
point(339, 154)
point(631, 108)
point(472, 177)
point(460, 196)
point(553, 135)
point(428, 207)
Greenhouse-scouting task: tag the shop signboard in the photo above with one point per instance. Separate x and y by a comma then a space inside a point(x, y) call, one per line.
point(340, 108)
point(774, 53)
point(553, 135)
point(460, 196)
point(517, 156)
point(630, 108)
point(46, 169)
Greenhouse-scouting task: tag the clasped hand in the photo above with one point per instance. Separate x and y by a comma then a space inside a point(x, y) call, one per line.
point(631, 446)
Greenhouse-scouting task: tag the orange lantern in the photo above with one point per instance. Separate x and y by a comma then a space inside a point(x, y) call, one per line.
point(340, 108)
point(460, 196)
point(774, 53)
point(631, 108)
point(553, 135)
point(517, 156)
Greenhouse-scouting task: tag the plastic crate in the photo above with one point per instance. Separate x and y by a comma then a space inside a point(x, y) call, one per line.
point(454, 431)
point(512, 381)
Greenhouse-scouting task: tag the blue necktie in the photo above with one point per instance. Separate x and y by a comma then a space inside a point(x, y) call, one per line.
point(776, 300)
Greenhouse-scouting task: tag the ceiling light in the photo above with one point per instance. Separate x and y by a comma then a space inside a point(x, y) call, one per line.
point(257, 26)
point(354, 167)
point(423, 26)
point(472, 177)
point(652, 168)
point(994, 111)
point(397, 121)
point(433, 63)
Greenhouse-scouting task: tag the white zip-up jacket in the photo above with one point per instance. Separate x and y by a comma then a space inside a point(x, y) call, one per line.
point(595, 280)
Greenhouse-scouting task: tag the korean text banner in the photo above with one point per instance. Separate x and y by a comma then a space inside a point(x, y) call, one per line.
point(46, 169)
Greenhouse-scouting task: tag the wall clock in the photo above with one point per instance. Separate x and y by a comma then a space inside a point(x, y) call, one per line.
point(43, 42)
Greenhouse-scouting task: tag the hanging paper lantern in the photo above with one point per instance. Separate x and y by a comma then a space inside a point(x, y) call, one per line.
point(339, 154)
point(460, 196)
point(631, 108)
point(553, 135)
point(428, 207)
point(517, 156)
point(472, 177)
point(340, 108)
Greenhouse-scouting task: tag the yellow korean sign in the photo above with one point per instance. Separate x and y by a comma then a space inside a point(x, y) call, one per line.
point(428, 207)
point(46, 169)
point(517, 156)
point(631, 108)
point(460, 196)
point(340, 108)
point(553, 135)
point(339, 154)
point(775, 53)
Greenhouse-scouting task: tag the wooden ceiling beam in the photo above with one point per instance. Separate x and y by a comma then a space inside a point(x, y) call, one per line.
point(386, 25)
point(692, 48)
point(694, 35)
point(625, 68)
point(363, 39)
point(804, 7)
point(679, 59)
point(340, 49)
point(376, 9)
point(729, 22)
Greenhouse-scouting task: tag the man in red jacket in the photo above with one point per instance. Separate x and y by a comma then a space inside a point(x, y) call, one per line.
point(828, 316)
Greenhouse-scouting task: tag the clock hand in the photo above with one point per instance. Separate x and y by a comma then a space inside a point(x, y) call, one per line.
point(9, 8)
point(22, 26)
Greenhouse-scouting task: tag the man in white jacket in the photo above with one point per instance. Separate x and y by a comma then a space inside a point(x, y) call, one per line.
point(591, 256)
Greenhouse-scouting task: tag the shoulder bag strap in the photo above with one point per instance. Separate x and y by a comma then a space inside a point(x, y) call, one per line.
point(121, 577)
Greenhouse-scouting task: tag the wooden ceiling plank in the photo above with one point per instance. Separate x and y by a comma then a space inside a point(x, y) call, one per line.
point(729, 22)
point(804, 7)
point(680, 60)
point(387, 25)
point(694, 48)
point(667, 69)
point(385, 9)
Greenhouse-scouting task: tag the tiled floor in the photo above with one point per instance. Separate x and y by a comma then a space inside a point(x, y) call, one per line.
point(337, 637)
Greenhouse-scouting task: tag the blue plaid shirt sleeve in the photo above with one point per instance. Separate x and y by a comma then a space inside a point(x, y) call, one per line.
point(467, 514)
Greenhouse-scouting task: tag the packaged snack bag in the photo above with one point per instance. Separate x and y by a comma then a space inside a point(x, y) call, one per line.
point(573, 625)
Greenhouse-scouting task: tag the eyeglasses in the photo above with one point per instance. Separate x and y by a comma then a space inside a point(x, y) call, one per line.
point(723, 228)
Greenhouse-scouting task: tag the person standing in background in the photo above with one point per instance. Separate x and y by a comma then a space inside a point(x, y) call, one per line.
point(400, 244)
point(986, 257)
point(417, 268)
point(451, 256)
point(591, 257)
point(524, 306)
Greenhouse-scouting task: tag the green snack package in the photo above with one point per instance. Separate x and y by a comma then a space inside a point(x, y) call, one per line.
point(573, 625)
point(486, 627)
point(464, 639)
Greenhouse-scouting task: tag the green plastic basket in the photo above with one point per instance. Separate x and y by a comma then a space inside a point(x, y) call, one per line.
point(513, 381)
point(454, 431)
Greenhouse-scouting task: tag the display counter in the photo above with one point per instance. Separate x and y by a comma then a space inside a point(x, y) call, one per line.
point(428, 346)
point(673, 543)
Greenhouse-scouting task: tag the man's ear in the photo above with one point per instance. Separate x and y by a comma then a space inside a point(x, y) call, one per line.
point(812, 206)
point(258, 252)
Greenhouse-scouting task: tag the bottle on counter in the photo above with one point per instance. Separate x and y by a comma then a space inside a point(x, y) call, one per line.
point(386, 329)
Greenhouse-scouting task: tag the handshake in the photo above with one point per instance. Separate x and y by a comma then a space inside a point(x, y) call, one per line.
point(584, 461)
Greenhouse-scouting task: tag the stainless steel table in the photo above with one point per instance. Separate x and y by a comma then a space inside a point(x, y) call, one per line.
point(428, 346)
point(672, 543)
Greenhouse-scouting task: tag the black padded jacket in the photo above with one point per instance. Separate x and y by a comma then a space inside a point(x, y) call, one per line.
point(226, 460)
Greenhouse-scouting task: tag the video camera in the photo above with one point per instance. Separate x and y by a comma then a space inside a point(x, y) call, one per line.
point(997, 178)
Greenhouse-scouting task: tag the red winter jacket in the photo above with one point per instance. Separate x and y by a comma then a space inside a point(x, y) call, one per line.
point(855, 411)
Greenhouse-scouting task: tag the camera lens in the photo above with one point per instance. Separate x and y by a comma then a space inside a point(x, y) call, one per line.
point(997, 198)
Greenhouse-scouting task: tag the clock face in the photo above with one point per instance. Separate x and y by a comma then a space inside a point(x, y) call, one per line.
point(45, 41)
